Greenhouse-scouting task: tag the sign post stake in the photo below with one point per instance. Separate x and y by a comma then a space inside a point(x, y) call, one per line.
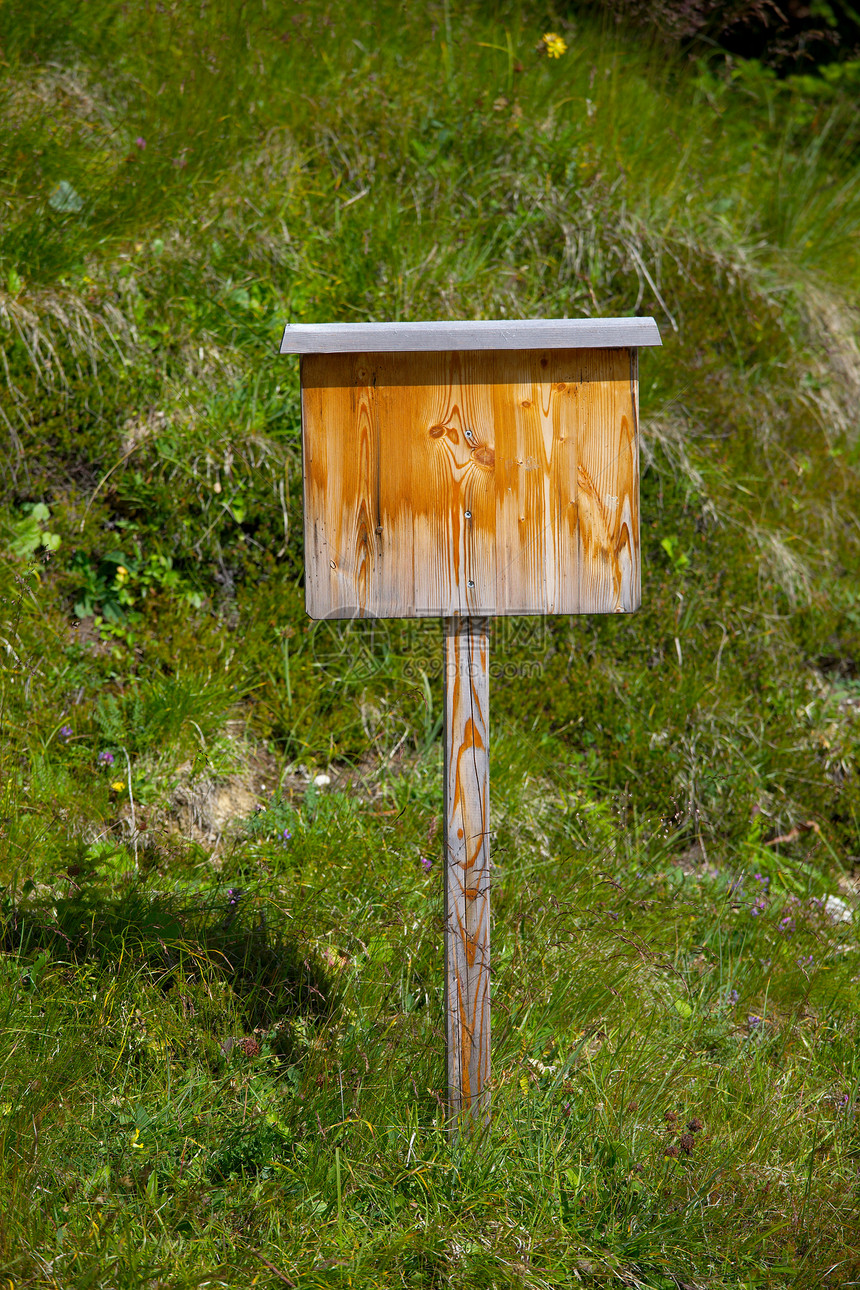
point(467, 869)
point(463, 470)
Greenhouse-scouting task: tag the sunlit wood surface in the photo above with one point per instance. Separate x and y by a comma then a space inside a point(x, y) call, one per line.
point(497, 482)
point(467, 869)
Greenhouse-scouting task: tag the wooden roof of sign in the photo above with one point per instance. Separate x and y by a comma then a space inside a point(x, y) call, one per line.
point(471, 468)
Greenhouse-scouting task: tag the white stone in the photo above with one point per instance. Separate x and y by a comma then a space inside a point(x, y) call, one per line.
point(838, 910)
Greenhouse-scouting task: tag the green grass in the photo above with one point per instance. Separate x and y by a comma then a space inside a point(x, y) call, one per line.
point(224, 1048)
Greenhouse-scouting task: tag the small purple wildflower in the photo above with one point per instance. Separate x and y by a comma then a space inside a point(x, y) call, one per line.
point(732, 998)
point(233, 896)
point(65, 732)
point(140, 143)
point(754, 1021)
point(761, 879)
point(804, 963)
point(286, 837)
point(759, 906)
point(106, 759)
point(786, 925)
point(426, 864)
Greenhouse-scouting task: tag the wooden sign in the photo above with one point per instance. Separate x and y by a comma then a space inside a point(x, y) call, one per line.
point(463, 470)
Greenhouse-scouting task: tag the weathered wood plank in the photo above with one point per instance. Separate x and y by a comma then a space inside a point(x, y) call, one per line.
point(398, 337)
point(462, 414)
point(394, 519)
point(341, 489)
point(438, 461)
point(476, 482)
point(467, 868)
point(568, 399)
point(607, 473)
point(319, 594)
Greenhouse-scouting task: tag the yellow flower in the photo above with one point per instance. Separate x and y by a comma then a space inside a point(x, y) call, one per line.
point(121, 574)
point(117, 785)
point(554, 44)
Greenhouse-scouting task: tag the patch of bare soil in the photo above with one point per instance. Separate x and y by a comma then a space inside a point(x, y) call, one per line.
point(208, 807)
point(205, 807)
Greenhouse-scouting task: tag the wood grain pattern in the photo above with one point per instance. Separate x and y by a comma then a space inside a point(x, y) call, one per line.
point(467, 868)
point(504, 333)
point(471, 482)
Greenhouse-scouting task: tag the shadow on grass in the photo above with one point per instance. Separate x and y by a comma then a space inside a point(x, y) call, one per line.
point(175, 939)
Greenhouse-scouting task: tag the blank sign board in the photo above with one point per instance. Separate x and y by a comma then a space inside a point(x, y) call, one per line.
point(471, 468)
point(463, 470)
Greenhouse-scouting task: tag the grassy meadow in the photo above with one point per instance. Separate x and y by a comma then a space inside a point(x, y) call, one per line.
point(221, 1007)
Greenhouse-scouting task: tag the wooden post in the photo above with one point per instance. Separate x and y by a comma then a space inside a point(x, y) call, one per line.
point(467, 870)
